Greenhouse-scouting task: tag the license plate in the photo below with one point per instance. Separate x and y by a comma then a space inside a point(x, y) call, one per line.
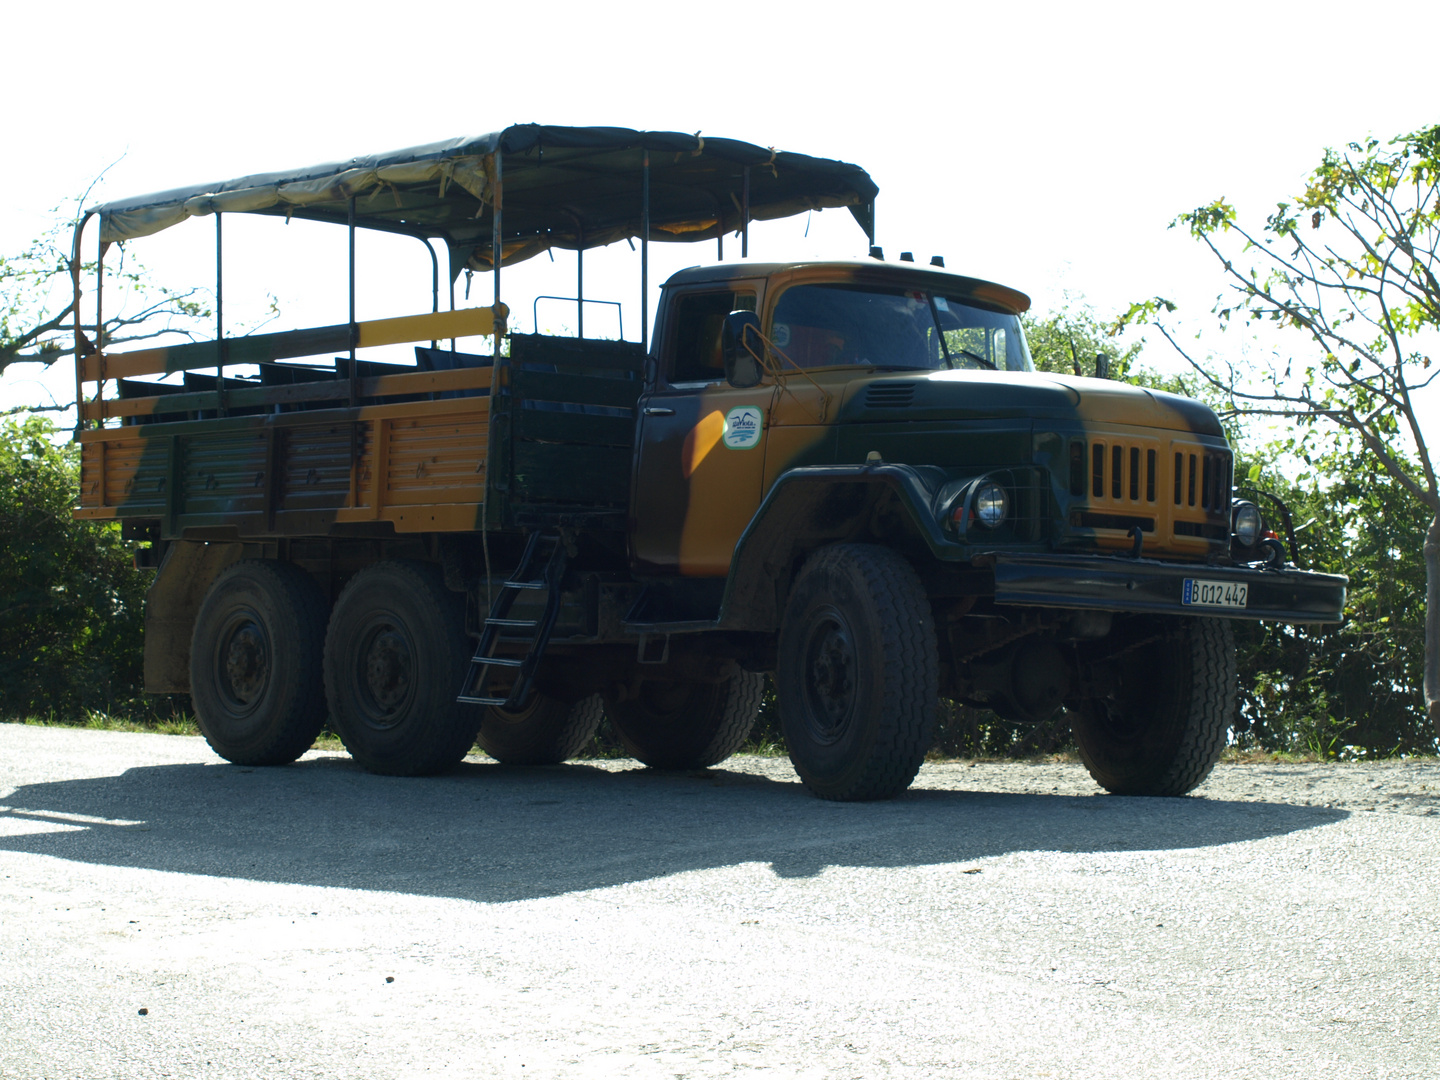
point(1224, 594)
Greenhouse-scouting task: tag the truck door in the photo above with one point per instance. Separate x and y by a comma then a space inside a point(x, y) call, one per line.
point(701, 445)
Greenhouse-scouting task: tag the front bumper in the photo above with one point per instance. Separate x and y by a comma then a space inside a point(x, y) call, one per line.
point(1117, 583)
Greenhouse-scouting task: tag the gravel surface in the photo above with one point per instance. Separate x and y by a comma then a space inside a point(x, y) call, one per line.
point(165, 914)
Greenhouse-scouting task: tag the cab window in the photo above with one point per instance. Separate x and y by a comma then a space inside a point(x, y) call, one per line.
point(695, 344)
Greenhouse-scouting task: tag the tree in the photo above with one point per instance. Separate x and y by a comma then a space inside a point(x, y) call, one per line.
point(37, 307)
point(71, 602)
point(1354, 690)
point(1351, 268)
point(1067, 340)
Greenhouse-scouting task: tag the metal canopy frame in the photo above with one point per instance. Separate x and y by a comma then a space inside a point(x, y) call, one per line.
point(584, 196)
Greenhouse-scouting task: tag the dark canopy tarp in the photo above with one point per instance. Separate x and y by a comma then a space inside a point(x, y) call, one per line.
point(563, 187)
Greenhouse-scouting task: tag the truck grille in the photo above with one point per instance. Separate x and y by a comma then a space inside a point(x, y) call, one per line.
point(1172, 487)
point(1204, 477)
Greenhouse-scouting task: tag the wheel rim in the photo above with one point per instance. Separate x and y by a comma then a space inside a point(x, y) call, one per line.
point(385, 672)
point(831, 673)
point(522, 715)
point(242, 662)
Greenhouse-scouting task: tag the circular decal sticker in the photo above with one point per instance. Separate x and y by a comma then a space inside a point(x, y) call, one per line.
point(742, 427)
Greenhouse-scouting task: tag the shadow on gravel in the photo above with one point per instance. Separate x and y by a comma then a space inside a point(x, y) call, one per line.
point(490, 833)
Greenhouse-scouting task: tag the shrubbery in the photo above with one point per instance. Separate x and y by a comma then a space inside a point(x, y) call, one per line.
point(71, 602)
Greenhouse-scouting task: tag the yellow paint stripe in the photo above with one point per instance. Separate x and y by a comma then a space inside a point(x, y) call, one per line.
point(466, 322)
point(702, 438)
point(431, 326)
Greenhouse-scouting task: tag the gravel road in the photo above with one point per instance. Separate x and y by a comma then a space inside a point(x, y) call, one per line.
point(163, 914)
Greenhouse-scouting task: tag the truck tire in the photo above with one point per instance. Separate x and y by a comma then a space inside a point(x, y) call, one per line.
point(545, 732)
point(255, 663)
point(1164, 727)
point(857, 674)
point(395, 657)
point(688, 724)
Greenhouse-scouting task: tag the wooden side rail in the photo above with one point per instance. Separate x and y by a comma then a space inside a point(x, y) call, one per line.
point(312, 341)
point(419, 382)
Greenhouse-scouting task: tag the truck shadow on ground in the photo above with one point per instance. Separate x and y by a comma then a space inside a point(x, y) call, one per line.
point(489, 833)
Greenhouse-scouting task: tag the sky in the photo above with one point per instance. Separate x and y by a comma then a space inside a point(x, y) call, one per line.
point(1045, 146)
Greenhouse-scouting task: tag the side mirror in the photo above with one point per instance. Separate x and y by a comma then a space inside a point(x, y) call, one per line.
point(740, 347)
point(1102, 366)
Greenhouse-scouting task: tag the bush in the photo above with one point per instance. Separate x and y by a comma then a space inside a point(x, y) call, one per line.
point(1353, 690)
point(71, 601)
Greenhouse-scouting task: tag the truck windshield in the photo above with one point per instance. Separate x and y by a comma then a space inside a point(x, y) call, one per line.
point(903, 329)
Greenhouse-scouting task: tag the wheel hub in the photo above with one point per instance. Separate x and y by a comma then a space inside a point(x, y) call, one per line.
point(831, 675)
point(246, 662)
point(388, 668)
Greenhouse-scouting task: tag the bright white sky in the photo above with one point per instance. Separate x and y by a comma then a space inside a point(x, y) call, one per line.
point(1042, 145)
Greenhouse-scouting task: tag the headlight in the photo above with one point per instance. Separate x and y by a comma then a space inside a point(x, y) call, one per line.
point(1245, 523)
point(990, 504)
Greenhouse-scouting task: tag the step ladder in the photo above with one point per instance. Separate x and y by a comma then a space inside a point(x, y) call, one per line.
point(547, 548)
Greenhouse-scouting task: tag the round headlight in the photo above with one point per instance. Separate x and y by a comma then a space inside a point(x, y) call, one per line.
point(1245, 523)
point(990, 505)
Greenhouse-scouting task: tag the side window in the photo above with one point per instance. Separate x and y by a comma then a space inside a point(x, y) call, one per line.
point(695, 355)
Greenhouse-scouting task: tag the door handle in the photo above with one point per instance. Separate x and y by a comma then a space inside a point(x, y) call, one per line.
point(653, 410)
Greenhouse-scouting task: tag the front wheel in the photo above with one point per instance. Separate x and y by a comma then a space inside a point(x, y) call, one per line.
point(858, 673)
point(395, 657)
point(688, 723)
point(1162, 724)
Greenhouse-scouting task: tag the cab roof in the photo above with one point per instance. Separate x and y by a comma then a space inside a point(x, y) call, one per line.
point(863, 271)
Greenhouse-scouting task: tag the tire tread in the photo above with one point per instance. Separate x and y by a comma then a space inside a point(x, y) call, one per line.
point(911, 674)
point(302, 611)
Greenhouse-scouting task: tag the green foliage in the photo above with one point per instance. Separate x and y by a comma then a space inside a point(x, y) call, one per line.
point(71, 602)
point(1353, 265)
point(1356, 690)
point(1349, 272)
point(1066, 341)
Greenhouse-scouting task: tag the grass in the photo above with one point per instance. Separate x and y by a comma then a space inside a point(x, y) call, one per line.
point(179, 724)
point(605, 744)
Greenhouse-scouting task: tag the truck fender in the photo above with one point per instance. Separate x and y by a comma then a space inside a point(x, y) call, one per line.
point(185, 575)
point(809, 507)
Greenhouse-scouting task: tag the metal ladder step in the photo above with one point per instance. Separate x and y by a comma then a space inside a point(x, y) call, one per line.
point(497, 621)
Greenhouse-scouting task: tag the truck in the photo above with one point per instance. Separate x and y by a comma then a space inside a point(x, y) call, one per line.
point(847, 475)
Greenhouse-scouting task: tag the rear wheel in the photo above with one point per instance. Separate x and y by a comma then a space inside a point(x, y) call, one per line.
point(1163, 724)
point(688, 723)
point(858, 673)
point(255, 663)
point(395, 657)
point(546, 732)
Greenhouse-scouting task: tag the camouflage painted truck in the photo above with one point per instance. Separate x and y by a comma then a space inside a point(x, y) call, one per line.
point(846, 474)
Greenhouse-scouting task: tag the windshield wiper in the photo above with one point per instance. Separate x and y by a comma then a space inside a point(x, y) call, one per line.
point(977, 358)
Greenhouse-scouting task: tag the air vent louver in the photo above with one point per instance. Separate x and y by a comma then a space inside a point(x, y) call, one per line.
point(889, 395)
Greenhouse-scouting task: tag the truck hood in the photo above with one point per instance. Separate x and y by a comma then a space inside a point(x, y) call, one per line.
point(966, 395)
